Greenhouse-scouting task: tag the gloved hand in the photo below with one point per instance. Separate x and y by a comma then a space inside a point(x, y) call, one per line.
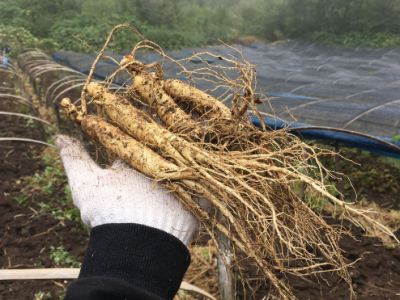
point(121, 194)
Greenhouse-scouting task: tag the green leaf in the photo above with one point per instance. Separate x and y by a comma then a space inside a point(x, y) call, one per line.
point(22, 200)
point(396, 139)
point(389, 247)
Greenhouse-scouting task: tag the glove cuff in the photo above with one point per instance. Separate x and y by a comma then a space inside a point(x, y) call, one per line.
point(144, 257)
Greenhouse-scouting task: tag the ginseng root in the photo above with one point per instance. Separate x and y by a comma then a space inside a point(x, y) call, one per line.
point(151, 91)
point(214, 112)
point(142, 127)
point(130, 150)
point(204, 104)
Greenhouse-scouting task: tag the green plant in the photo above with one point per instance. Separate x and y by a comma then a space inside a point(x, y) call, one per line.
point(318, 203)
point(22, 200)
point(62, 257)
point(367, 172)
point(396, 138)
point(175, 39)
point(395, 162)
point(379, 39)
point(389, 247)
point(41, 295)
point(53, 182)
point(49, 46)
point(39, 264)
point(181, 293)
point(30, 122)
point(181, 23)
point(66, 214)
point(12, 15)
point(47, 180)
point(94, 33)
point(204, 252)
point(18, 38)
point(60, 295)
point(67, 198)
point(23, 109)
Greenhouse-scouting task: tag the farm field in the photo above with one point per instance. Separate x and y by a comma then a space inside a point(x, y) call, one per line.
point(264, 136)
point(41, 228)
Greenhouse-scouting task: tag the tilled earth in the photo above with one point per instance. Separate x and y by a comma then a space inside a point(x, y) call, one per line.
point(26, 235)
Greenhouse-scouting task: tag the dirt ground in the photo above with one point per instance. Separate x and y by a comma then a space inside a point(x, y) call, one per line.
point(28, 232)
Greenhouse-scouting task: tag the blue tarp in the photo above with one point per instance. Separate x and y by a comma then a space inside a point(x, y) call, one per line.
point(344, 138)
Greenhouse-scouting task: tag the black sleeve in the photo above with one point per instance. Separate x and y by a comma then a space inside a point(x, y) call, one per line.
point(130, 261)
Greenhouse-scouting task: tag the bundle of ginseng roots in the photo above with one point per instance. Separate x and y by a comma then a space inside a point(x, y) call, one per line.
point(250, 176)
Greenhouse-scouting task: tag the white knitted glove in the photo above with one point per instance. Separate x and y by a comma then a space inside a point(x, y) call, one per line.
point(121, 195)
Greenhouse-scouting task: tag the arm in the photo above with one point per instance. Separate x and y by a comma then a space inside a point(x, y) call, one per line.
point(130, 261)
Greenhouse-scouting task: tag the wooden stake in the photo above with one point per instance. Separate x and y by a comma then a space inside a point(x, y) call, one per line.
point(338, 169)
point(225, 281)
point(64, 273)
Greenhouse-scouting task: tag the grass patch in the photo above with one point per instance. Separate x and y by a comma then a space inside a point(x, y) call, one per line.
point(62, 257)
